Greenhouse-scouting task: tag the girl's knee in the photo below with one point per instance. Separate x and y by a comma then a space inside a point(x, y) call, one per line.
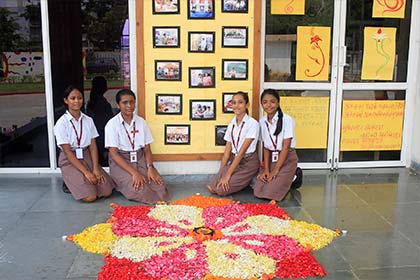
point(107, 193)
point(89, 199)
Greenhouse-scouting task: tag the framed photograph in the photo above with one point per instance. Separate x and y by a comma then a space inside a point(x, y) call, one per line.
point(165, 6)
point(235, 6)
point(202, 109)
point(201, 9)
point(168, 70)
point(227, 102)
point(235, 69)
point(202, 77)
point(220, 135)
point(235, 37)
point(166, 37)
point(201, 42)
point(168, 104)
point(177, 134)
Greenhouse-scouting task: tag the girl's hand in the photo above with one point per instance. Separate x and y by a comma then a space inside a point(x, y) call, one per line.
point(138, 181)
point(99, 176)
point(273, 174)
point(223, 183)
point(263, 176)
point(91, 177)
point(154, 176)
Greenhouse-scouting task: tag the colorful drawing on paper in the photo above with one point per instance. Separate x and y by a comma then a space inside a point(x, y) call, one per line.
point(20, 64)
point(378, 53)
point(388, 9)
point(313, 53)
point(288, 7)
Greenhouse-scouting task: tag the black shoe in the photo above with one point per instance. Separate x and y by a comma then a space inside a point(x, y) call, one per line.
point(65, 189)
point(297, 182)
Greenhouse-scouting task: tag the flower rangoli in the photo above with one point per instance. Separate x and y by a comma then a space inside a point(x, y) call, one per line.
point(205, 238)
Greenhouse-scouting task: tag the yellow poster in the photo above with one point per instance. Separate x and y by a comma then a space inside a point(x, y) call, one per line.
point(313, 53)
point(372, 125)
point(388, 9)
point(311, 118)
point(287, 7)
point(379, 53)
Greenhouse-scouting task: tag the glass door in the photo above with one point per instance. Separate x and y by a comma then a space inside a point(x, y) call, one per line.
point(348, 118)
point(372, 84)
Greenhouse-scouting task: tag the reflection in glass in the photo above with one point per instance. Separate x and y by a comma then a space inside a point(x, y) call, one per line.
point(378, 95)
point(93, 45)
point(359, 15)
point(280, 37)
point(23, 122)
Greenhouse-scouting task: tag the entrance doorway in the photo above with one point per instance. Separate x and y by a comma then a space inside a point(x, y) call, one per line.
point(347, 119)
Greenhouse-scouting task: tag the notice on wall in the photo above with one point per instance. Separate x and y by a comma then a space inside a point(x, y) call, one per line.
point(311, 118)
point(313, 53)
point(287, 7)
point(388, 9)
point(378, 53)
point(371, 125)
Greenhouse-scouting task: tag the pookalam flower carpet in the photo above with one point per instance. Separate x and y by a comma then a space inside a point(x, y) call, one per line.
point(205, 238)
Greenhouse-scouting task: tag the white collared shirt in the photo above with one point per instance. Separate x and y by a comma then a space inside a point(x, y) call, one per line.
point(66, 134)
point(287, 132)
point(250, 129)
point(116, 133)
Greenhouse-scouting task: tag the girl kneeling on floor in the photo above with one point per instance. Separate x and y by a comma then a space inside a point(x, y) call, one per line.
point(280, 159)
point(128, 139)
point(75, 133)
point(240, 161)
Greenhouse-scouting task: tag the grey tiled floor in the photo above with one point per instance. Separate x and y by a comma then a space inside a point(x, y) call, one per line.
point(378, 207)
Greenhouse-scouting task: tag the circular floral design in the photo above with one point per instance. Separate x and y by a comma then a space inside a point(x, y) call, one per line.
point(205, 238)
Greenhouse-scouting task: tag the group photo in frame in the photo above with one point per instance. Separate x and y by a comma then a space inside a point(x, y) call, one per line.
point(165, 6)
point(168, 70)
point(235, 69)
point(220, 131)
point(201, 42)
point(203, 109)
point(177, 134)
point(227, 102)
point(234, 36)
point(166, 36)
point(168, 104)
point(201, 77)
point(235, 6)
point(201, 9)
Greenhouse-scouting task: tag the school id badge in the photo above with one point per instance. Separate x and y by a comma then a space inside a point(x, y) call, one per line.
point(133, 156)
point(275, 156)
point(79, 153)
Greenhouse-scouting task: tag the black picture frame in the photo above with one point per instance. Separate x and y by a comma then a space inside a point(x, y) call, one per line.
point(158, 8)
point(161, 39)
point(231, 6)
point(168, 70)
point(177, 134)
point(202, 77)
point(196, 44)
point(202, 109)
point(234, 69)
point(234, 37)
point(219, 134)
point(227, 102)
point(168, 104)
point(201, 10)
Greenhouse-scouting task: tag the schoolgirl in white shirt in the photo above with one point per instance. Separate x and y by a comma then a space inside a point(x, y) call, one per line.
point(280, 158)
point(75, 133)
point(128, 139)
point(240, 161)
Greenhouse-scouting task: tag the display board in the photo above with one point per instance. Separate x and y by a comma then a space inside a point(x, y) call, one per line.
point(311, 118)
point(371, 125)
point(196, 54)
